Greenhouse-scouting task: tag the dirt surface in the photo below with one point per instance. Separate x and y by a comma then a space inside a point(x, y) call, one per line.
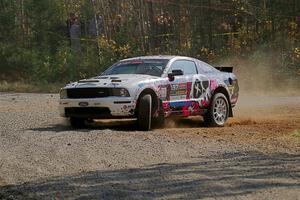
point(256, 156)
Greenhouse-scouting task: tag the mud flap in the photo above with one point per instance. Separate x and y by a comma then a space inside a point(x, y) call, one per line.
point(230, 114)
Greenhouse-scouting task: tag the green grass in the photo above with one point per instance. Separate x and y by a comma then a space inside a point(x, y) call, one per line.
point(296, 133)
point(30, 87)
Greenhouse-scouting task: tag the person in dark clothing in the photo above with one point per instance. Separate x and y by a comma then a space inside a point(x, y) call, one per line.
point(74, 31)
point(69, 22)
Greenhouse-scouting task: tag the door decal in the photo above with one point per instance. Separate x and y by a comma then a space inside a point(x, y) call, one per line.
point(200, 88)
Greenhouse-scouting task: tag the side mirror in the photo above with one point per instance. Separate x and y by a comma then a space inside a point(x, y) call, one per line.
point(176, 72)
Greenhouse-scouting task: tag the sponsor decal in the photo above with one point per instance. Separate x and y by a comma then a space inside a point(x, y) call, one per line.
point(189, 89)
point(180, 104)
point(141, 85)
point(177, 97)
point(231, 89)
point(163, 92)
point(213, 85)
point(204, 103)
point(136, 62)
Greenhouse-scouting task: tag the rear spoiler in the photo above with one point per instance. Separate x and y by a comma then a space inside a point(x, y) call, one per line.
point(225, 69)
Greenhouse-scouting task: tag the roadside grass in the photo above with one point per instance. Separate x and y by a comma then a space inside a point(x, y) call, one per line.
point(296, 133)
point(30, 87)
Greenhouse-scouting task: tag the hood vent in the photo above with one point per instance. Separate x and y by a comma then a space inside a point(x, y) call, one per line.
point(116, 81)
point(88, 81)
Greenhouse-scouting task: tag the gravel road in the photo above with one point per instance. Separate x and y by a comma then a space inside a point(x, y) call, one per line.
point(256, 156)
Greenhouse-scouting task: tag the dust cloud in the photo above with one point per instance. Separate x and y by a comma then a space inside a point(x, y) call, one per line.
point(264, 75)
point(269, 90)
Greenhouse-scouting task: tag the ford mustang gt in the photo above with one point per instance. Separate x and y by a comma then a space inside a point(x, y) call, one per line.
point(150, 89)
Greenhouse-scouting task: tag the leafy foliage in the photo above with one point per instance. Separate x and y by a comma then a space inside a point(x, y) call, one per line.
point(34, 43)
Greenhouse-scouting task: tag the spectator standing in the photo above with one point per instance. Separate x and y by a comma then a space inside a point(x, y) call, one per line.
point(74, 31)
point(69, 23)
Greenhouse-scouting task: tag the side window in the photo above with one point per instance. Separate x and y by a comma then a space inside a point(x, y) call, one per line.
point(188, 67)
point(206, 68)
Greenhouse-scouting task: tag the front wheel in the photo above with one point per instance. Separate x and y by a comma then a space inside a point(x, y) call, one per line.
point(145, 113)
point(218, 111)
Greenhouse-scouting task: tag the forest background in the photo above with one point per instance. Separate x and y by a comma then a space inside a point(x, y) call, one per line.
point(259, 38)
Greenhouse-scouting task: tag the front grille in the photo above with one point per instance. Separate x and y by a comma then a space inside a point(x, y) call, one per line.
point(83, 93)
point(89, 112)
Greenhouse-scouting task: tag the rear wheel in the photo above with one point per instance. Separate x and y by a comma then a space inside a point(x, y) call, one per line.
point(218, 111)
point(77, 122)
point(145, 113)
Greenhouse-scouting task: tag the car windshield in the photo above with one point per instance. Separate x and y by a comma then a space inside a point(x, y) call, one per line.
point(153, 67)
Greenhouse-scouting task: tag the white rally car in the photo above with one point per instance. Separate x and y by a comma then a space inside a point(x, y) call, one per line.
point(150, 89)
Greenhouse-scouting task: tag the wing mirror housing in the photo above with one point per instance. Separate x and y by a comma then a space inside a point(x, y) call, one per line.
point(176, 72)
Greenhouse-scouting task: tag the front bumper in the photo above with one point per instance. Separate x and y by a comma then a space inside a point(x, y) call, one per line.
point(97, 107)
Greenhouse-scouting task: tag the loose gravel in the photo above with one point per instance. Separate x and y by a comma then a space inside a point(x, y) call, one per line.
point(255, 156)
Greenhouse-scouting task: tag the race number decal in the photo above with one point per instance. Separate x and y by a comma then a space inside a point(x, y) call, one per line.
point(200, 88)
point(178, 91)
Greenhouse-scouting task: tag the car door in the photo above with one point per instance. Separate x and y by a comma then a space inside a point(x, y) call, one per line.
point(201, 84)
point(181, 86)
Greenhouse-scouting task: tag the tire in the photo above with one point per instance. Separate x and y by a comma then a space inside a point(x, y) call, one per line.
point(218, 111)
point(77, 123)
point(145, 113)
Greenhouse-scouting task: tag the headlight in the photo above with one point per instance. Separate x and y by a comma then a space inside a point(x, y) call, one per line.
point(119, 92)
point(63, 94)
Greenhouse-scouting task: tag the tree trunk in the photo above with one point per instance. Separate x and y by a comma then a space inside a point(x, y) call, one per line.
point(152, 26)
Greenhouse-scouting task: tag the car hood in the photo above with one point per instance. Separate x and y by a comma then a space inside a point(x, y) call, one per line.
point(121, 80)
